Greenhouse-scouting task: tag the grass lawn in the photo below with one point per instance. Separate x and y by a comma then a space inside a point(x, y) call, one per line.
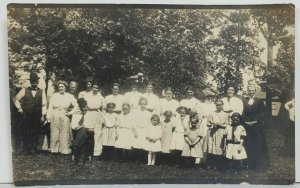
point(48, 169)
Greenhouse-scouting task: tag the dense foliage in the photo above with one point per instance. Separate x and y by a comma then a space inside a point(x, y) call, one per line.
point(171, 47)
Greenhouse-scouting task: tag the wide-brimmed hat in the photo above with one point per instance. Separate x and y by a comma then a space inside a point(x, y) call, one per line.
point(33, 77)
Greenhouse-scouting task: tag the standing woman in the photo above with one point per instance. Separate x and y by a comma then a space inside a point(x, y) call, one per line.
point(152, 99)
point(115, 98)
point(169, 103)
point(133, 97)
point(255, 142)
point(59, 116)
point(190, 101)
point(93, 117)
point(88, 89)
point(231, 103)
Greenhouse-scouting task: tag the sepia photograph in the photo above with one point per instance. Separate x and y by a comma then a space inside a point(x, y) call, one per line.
point(151, 94)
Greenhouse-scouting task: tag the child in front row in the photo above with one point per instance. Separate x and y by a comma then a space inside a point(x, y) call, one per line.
point(234, 139)
point(109, 130)
point(167, 126)
point(217, 122)
point(124, 136)
point(192, 136)
point(153, 137)
point(141, 122)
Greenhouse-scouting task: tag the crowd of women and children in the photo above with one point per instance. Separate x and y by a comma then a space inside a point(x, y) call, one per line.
point(225, 132)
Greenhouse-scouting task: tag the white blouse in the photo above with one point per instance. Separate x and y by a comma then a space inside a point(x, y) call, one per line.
point(133, 99)
point(83, 93)
point(171, 105)
point(94, 101)
point(153, 102)
point(118, 100)
point(61, 102)
point(190, 103)
point(235, 104)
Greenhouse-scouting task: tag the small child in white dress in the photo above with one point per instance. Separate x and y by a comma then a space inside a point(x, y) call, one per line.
point(109, 129)
point(153, 137)
point(124, 136)
point(234, 139)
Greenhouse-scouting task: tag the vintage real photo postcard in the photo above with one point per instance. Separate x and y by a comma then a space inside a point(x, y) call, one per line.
point(126, 94)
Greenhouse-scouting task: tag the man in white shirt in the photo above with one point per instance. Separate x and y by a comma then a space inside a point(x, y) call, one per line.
point(83, 141)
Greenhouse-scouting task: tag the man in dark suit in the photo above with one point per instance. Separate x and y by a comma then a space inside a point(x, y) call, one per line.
point(254, 118)
point(31, 104)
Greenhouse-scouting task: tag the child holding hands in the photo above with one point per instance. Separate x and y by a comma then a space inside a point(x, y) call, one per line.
point(192, 136)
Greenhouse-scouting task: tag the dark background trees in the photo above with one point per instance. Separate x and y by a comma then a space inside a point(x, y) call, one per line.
point(171, 47)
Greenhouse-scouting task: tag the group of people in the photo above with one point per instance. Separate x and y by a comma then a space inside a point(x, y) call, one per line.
point(224, 131)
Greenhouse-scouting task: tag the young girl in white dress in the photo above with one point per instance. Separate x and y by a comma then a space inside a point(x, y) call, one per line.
point(109, 129)
point(192, 136)
point(141, 122)
point(124, 136)
point(214, 147)
point(234, 139)
point(153, 137)
point(168, 126)
point(178, 142)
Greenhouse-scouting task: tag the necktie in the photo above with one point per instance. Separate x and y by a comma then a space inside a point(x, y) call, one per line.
point(80, 123)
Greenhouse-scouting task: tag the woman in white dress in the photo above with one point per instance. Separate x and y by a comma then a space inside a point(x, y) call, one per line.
point(190, 102)
point(133, 97)
point(59, 116)
point(231, 102)
point(93, 117)
point(115, 98)
point(152, 99)
point(88, 89)
point(168, 103)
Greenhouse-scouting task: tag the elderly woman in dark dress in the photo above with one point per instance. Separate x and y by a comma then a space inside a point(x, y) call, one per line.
point(255, 143)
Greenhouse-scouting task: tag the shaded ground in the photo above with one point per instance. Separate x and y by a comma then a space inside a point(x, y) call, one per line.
point(60, 169)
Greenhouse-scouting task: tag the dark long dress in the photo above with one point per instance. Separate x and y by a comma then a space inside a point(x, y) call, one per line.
point(255, 142)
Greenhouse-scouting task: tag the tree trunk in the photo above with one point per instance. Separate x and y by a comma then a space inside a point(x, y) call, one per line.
point(268, 89)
